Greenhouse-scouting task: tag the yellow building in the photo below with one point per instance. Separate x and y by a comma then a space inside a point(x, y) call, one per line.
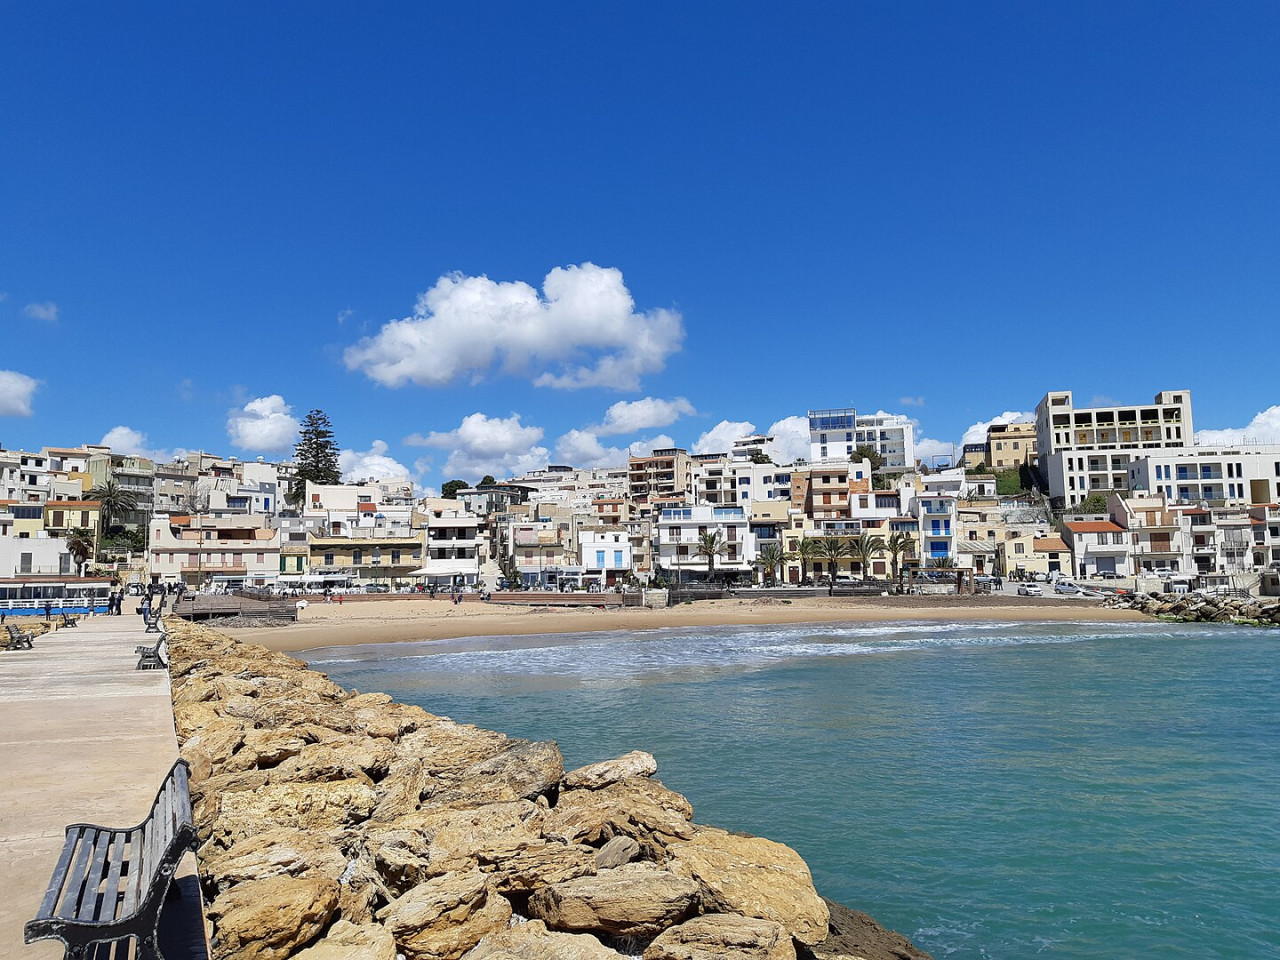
point(1011, 445)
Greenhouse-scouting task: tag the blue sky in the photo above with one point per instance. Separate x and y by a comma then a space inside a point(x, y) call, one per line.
point(485, 237)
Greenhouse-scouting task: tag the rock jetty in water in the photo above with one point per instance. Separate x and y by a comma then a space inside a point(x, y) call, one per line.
point(341, 825)
point(1203, 608)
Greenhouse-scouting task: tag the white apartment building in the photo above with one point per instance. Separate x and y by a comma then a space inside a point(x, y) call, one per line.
point(453, 549)
point(1159, 537)
point(724, 482)
point(1219, 476)
point(1088, 450)
point(1265, 527)
point(1098, 546)
point(836, 435)
point(320, 497)
point(604, 555)
point(677, 534)
point(939, 522)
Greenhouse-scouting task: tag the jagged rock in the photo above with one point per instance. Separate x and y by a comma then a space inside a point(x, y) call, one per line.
point(446, 748)
point(282, 851)
point(855, 936)
point(754, 877)
point(616, 852)
point(635, 900)
point(723, 936)
point(637, 763)
point(270, 919)
point(637, 807)
point(400, 792)
point(445, 917)
point(342, 757)
point(533, 941)
point(309, 806)
point(346, 941)
point(262, 749)
point(523, 771)
point(219, 739)
point(383, 717)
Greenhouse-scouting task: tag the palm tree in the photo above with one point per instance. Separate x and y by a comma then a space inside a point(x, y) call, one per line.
point(832, 550)
point(79, 544)
point(864, 549)
point(942, 563)
point(113, 501)
point(771, 558)
point(711, 545)
point(897, 545)
point(806, 552)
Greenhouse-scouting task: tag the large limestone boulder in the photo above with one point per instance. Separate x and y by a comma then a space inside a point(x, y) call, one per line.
point(307, 806)
point(445, 917)
point(636, 807)
point(533, 941)
point(347, 941)
point(723, 936)
point(754, 877)
point(635, 900)
point(341, 757)
point(282, 851)
point(637, 763)
point(446, 749)
point(616, 852)
point(262, 749)
point(522, 771)
point(270, 919)
point(401, 791)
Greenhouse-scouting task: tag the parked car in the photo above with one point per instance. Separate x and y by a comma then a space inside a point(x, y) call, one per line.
point(376, 588)
point(1030, 590)
point(1066, 587)
point(1107, 575)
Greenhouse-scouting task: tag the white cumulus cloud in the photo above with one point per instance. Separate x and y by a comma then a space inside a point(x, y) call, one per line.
point(927, 449)
point(1264, 428)
point(629, 416)
point(978, 432)
point(265, 425)
point(582, 448)
point(371, 464)
point(479, 445)
point(48, 311)
point(720, 438)
point(790, 439)
point(581, 331)
point(132, 442)
point(16, 390)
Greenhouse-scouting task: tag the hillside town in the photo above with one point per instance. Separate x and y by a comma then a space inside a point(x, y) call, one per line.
point(1096, 493)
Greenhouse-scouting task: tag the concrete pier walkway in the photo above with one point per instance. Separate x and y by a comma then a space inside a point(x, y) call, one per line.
point(83, 737)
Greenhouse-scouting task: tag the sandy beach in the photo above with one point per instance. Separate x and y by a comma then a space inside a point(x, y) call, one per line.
point(407, 619)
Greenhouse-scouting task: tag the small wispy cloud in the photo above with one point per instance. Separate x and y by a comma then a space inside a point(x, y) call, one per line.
point(344, 315)
point(911, 401)
point(47, 311)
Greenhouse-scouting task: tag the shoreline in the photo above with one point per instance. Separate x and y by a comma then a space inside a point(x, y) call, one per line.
point(328, 625)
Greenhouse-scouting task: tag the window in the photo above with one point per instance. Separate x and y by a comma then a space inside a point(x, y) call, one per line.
point(328, 559)
point(395, 556)
point(1019, 548)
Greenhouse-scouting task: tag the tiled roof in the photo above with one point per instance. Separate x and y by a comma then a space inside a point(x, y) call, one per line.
point(1093, 526)
point(1050, 545)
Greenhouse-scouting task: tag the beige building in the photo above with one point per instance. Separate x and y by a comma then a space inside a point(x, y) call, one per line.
point(1011, 445)
point(665, 475)
point(206, 551)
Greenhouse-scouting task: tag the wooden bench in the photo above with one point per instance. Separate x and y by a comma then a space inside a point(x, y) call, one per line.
point(109, 884)
point(153, 623)
point(153, 658)
point(17, 639)
point(70, 621)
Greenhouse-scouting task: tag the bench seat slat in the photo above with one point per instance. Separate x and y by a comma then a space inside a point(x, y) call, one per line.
point(73, 889)
point(116, 870)
point(90, 907)
point(51, 896)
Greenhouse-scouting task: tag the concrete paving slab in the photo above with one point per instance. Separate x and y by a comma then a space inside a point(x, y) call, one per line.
point(84, 737)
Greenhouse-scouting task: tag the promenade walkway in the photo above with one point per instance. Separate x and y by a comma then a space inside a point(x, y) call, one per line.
point(83, 737)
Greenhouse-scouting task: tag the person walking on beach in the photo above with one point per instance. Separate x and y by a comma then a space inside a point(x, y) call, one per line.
point(48, 612)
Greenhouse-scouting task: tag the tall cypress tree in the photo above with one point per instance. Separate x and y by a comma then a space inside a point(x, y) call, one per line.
point(315, 455)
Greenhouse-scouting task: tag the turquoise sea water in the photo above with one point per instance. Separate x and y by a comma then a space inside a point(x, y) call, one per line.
point(990, 790)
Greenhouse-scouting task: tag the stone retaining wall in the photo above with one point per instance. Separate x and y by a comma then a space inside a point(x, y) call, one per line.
point(342, 825)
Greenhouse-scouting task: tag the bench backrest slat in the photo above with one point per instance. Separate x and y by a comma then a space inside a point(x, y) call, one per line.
point(133, 882)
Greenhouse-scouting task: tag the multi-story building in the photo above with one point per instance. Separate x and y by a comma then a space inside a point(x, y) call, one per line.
point(937, 514)
point(370, 544)
point(453, 546)
point(1158, 536)
point(826, 491)
point(1088, 450)
point(1264, 527)
point(892, 436)
point(175, 488)
point(1097, 546)
point(604, 553)
point(135, 476)
point(665, 476)
point(1010, 445)
point(206, 551)
point(678, 539)
point(831, 434)
point(1218, 476)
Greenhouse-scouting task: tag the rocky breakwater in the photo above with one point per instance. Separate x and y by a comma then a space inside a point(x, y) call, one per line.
point(1201, 608)
point(344, 826)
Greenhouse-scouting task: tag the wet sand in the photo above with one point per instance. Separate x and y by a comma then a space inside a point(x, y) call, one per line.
point(399, 620)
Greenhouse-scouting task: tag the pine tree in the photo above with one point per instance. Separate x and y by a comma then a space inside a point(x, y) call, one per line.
point(315, 455)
